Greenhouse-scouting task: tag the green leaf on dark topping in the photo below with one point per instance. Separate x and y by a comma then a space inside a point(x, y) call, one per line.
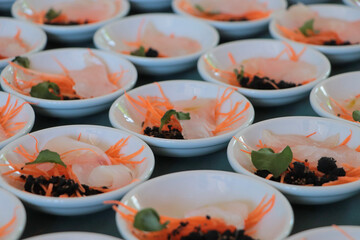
point(307, 27)
point(148, 220)
point(46, 90)
point(276, 163)
point(140, 52)
point(356, 115)
point(22, 61)
point(47, 156)
point(52, 14)
point(167, 116)
point(199, 8)
point(239, 75)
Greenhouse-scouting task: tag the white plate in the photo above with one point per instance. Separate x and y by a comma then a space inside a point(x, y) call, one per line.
point(10, 205)
point(69, 34)
point(73, 236)
point(120, 117)
point(174, 194)
point(32, 35)
point(150, 5)
point(104, 137)
point(266, 48)
point(73, 58)
point(324, 127)
point(328, 233)
point(26, 115)
point(236, 30)
point(126, 29)
point(336, 54)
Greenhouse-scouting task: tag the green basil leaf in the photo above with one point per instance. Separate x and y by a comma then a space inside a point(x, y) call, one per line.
point(199, 8)
point(148, 220)
point(46, 90)
point(356, 115)
point(308, 26)
point(47, 156)
point(276, 163)
point(140, 52)
point(22, 61)
point(239, 75)
point(52, 14)
point(167, 116)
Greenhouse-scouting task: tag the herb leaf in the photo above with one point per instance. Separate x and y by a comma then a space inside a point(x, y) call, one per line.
point(167, 116)
point(140, 52)
point(52, 14)
point(46, 90)
point(356, 115)
point(148, 220)
point(239, 76)
point(307, 27)
point(276, 163)
point(47, 156)
point(199, 8)
point(22, 61)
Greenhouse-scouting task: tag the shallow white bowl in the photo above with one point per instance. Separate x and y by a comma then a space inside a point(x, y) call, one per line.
point(310, 1)
point(126, 29)
point(25, 115)
point(174, 194)
point(73, 236)
point(103, 137)
point(69, 34)
point(336, 54)
point(32, 35)
point(150, 5)
point(328, 233)
point(266, 48)
point(352, 3)
point(339, 87)
point(241, 162)
point(236, 30)
point(72, 58)
point(10, 205)
point(120, 117)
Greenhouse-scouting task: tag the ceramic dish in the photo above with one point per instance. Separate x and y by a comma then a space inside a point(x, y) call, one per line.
point(352, 3)
point(245, 49)
point(329, 233)
point(338, 89)
point(123, 116)
point(73, 236)
point(177, 193)
point(241, 29)
point(310, 1)
point(103, 137)
point(74, 59)
point(336, 54)
point(324, 128)
point(31, 35)
point(74, 33)
point(150, 5)
point(25, 116)
point(10, 206)
point(112, 36)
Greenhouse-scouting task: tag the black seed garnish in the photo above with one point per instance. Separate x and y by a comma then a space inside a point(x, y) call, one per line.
point(264, 83)
point(69, 23)
point(171, 134)
point(333, 42)
point(151, 53)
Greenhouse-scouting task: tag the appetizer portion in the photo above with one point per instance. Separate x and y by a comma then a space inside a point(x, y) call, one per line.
point(69, 166)
point(228, 220)
point(73, 12)
point(13, 46)
point(348, 109)
point(266, 73)
point(8, 111)
point(226, 10)
point(150, 42)
point(186, 119)
point(300, 160)
point(302, 24)
point(70, 84)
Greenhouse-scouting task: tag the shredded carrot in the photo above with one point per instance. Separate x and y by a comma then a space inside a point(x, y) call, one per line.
point(342, 231)
point(6, 229)
point(346, 140)
point(311, 134)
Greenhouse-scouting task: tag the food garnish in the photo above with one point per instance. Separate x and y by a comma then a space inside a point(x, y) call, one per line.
point(346, 109)
point(46, 90)
point(22, 61)
point(13, 46)
point(8, 227)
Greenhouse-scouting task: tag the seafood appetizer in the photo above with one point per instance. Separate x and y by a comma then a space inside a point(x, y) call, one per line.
point(348, 109)
point(266, 73)
point(228, 10)
point(185, 119)
point(150, 42)
point(300, 160)
point(71, 166)
point(13, 46)
point(226, 220)
point(303, 24)
point(67, 13)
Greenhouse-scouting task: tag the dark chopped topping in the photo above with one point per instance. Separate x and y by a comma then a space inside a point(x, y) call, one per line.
point(264, 83)
point(171, 134)
point(151, 53)
point(333, 42)
point(197, 234)
point(69, 23)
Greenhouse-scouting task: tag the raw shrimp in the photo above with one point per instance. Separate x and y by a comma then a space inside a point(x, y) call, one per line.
point(226, 10)
point(178, 228)
point(267, 73)
point(13, 46)
point(302, 24)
